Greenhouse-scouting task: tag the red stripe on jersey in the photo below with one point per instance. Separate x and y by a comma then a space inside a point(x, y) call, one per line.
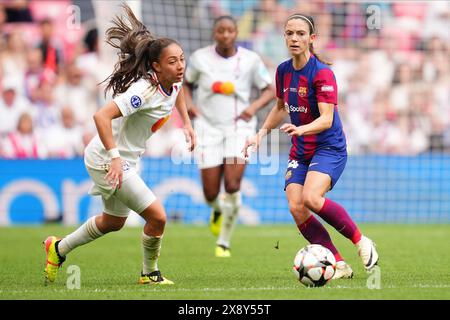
point(158, 124)
point(277, 85)
point(309, 145)
point(310, 141)
point(286, 85)
point(284, 90)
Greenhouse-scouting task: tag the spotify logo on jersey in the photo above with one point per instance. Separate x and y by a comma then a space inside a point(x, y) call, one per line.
point(290, 108)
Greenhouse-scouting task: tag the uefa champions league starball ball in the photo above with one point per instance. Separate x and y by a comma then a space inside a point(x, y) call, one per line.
point(314, 265)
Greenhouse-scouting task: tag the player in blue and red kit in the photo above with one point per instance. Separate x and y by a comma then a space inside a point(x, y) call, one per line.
point(307, 90)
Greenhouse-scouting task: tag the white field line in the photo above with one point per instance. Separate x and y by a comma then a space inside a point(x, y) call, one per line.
point(174, 289)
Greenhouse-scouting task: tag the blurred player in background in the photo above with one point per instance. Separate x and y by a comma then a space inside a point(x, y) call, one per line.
point(306, 89)
point(223, 75)
point(146, 84)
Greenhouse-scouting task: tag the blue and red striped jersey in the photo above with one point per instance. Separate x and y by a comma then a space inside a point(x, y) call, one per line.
point(301, 91)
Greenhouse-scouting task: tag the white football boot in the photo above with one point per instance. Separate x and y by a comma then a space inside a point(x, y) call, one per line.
point(343, 271)
point(367, 252)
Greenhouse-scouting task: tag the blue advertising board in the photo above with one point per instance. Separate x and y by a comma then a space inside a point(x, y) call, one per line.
point(372, 188)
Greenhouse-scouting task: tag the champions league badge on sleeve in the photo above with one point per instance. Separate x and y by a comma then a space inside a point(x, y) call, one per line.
point(135, 101)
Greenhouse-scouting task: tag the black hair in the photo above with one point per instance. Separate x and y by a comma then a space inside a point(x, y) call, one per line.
point(225, 17)
point(90, 39)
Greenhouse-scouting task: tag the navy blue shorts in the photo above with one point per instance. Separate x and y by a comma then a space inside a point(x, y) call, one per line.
point(325, 161)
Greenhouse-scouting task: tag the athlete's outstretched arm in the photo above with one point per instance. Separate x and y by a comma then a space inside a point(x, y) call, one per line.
point(322, 123)
point(273, 119)
point(102, 119)
point(267, 94)
point(180, 104)
point(191, 108)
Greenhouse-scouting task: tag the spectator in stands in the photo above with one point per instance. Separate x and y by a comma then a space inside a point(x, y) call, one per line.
point(231, 7)
point(94, 69)
point(50, 46)
point(34, 74)
point(45, 111)
point(339, 14)
point(436, 57)
point(88, 61)
point(267, 42)
point(357, 110)
point(437, 20)
point(419, 120)
point(78, 92)
point(14, 58)
point(12, 105)
point(17, 11)
point(386, 137)
point(440, 109)
point(402, 86)
point(355, 23)
point(65, 139)
point(3, 18)
point(380, 50)
point(23, 143)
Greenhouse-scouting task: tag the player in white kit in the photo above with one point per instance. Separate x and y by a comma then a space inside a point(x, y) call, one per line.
point(220, 77)
point(146, 85)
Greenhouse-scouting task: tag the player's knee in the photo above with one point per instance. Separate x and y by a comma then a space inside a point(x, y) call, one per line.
point(297, 208)
point(159, 222)
point(311, 200)
point(232, 186)
point(113, 226)
point(210, 194)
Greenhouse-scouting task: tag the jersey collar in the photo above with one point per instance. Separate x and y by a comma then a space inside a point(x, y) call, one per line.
point(160, 87)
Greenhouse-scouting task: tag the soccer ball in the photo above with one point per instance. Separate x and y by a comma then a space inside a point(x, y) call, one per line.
point(314, 265)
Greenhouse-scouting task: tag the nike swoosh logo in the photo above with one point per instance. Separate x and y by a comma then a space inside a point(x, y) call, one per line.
point(370, 259)
point(313, 164)
point(285, 89)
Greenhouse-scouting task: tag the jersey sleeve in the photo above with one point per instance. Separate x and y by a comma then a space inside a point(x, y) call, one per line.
point(192, 72)
point(261, 76)
point(279, 83)
point(135, 98)
point(325, 86)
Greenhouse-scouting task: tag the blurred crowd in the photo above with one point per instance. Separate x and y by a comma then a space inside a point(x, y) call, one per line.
point(393, 76)
point(48, 88)
point(391, 61)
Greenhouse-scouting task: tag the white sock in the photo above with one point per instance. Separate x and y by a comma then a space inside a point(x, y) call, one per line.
point(215, 204)
point(84, 234)
point(151, 248)
point(230, 210)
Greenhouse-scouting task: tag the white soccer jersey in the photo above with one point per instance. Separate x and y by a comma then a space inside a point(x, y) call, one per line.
point(145, 108)
point(244, 70)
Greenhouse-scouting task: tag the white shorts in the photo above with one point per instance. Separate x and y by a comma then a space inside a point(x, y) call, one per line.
point(133, 195)
point(216, 146)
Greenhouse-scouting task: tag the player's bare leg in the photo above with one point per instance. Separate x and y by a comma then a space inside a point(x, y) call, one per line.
point(233, 171)
point(211, 180)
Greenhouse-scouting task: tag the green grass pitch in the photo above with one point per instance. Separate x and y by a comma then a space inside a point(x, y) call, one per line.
point(414, 264)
